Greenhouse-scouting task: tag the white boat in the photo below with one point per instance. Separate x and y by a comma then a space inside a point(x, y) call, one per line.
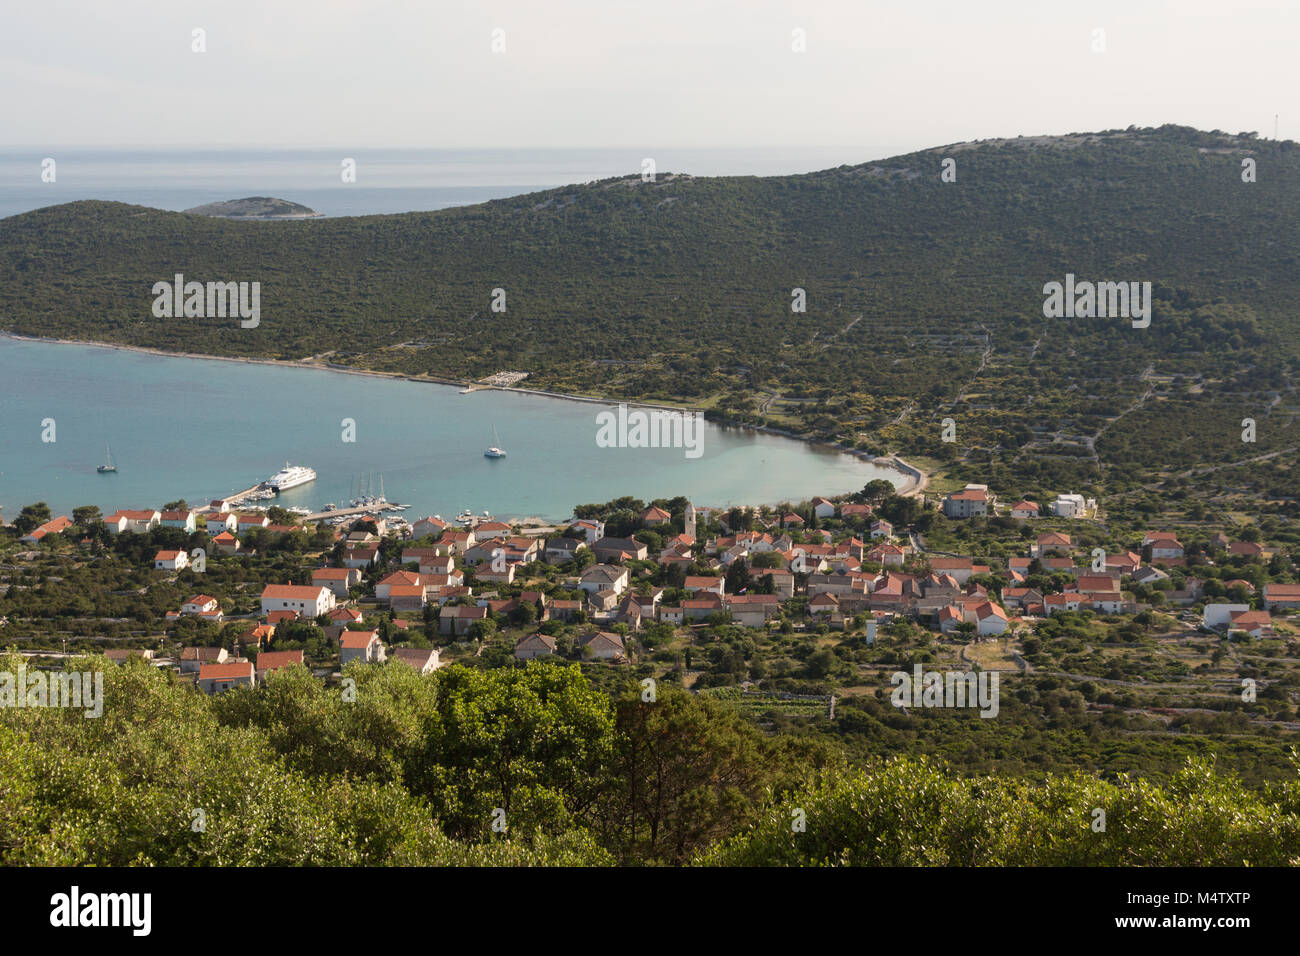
point(495, 451)
point(108, 467)
point(290, 476)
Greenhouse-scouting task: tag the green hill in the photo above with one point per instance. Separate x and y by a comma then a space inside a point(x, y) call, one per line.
point(680, 290)
point(254, 207)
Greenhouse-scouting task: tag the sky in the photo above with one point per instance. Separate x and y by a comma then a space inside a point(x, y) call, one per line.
point(876, 78)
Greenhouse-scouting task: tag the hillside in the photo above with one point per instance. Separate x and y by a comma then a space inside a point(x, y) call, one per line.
point(680, 290)
point(254, 207)
point(413, 772)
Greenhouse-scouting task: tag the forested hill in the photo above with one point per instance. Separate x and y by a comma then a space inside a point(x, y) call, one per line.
point(681, 289)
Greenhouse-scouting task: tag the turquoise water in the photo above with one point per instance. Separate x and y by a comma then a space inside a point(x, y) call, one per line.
point(199, 429)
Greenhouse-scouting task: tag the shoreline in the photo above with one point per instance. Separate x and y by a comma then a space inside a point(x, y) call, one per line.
point(915, 480)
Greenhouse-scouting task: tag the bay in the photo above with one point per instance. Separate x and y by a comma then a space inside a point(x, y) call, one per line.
point(204, 428)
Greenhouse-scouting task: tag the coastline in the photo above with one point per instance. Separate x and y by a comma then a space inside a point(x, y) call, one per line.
point(914, 479)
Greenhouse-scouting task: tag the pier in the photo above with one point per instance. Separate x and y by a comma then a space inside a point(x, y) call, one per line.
point(344, 512)
point(240, 495)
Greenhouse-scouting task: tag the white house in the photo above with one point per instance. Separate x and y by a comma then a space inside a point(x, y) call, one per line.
point(383, 590)
point(1069, 506)
point(309, 602)
point(171, 561)
point(1050, 542)
point(990, 619)
point(602, 646)
point(338, 580)
point(222, 521)
point(200, 604)
point(823, 508)
point(54, 526)
point(1281, 596)
point(1164, 547)
point(428, 527)
point(592, 530)
point(535, 646)
point(138, 522)
point(1218, 615)
point(972, 501)
point(362, 646)
point(423, 659)
point(602, 577)
point(437, 564)
point(360, 557)
point(192, 658)
point(178, 519)
point(216, 678)
point(696, 582)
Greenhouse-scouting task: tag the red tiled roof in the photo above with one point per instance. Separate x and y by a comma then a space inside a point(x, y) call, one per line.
point(274, 660)
point(331, 574)
point(357, 640)
point(226, 671)
point(291, 592)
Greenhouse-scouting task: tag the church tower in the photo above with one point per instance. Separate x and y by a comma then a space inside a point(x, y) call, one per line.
point(690, 519)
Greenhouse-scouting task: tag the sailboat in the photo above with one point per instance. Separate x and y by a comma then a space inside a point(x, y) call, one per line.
point(108, 465)
point(494, 451)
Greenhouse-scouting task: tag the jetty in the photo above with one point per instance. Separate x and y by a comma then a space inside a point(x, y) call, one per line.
point(345, 512)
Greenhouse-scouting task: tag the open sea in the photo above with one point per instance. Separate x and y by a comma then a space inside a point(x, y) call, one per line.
point(390, 181)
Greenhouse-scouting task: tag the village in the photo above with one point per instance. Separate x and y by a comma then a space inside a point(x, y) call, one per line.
point(431, 593)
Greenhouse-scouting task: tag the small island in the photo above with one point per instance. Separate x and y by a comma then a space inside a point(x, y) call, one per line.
point(255, 207)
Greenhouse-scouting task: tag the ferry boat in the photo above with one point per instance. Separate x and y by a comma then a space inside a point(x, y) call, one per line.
point(290, 476)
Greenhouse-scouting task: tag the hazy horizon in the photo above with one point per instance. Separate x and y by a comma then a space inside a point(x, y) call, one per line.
point(334, 75)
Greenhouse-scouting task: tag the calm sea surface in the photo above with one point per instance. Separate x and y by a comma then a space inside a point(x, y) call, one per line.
point(387, 181)
point(199, 429)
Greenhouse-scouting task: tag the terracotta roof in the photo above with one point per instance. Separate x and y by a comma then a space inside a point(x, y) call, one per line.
point(417, 657)
point(331, 574)
point(291, 592)
point(274, 660)
point(461, 611)
point(357, 640)
point(226, 671)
